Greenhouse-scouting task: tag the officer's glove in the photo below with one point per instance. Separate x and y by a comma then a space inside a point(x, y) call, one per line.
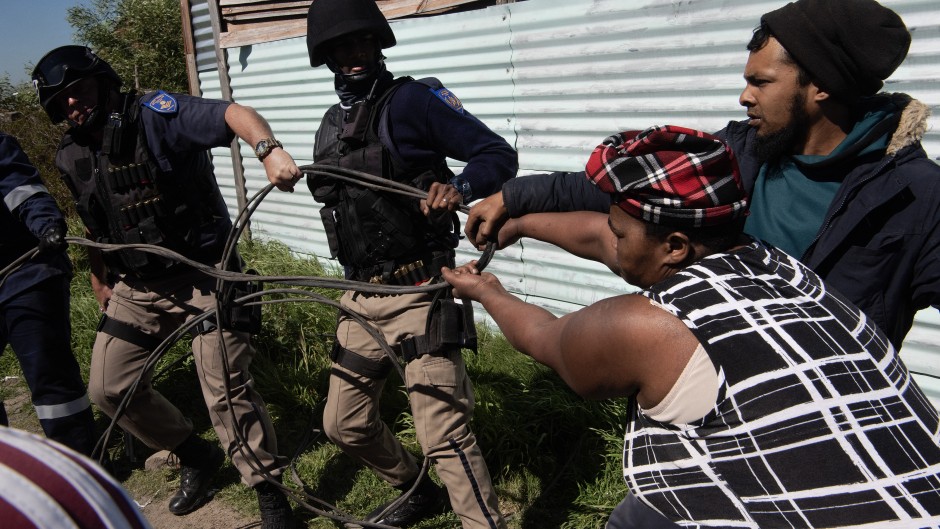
point(52, 240)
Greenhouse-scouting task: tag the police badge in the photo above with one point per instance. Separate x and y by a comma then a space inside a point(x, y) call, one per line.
point(162, 102)
point(449, 99)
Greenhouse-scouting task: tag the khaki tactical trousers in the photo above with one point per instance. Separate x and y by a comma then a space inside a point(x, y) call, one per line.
point(441, 402)
point(158, 307)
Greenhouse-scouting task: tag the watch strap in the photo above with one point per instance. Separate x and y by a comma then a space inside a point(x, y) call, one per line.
point(269, 145)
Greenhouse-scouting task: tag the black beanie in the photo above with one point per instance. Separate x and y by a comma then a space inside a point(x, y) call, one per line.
point(849, 47)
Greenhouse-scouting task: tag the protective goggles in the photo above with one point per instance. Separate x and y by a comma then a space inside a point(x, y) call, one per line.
point(54, 66)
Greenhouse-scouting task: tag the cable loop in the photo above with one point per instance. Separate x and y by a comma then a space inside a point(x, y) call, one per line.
point(301, 497)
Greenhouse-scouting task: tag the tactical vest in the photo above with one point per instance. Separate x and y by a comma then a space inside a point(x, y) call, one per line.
point(123, 197)
point(365, 228)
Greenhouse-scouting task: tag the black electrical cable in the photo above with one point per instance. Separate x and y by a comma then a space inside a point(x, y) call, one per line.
point(16, 264)
point(252, 458)
point(376, 335)
point(222, 276)
point(307, 281)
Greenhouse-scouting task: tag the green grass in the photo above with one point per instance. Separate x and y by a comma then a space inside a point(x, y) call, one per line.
point(555, 458)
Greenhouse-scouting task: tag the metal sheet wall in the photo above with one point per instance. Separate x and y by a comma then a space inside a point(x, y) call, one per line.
point(203, 41)
point(553, 77)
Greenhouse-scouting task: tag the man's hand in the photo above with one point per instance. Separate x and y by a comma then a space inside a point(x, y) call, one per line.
point(248, 125)
point(52, 239)
point(102, 291)
point(441, 197)
point(100, 284)
point(281, 170)
point(468, 283)
point(485, 220)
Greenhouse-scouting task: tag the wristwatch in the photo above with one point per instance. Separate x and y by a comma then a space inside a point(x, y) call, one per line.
point(265, 146)
point(463, 187)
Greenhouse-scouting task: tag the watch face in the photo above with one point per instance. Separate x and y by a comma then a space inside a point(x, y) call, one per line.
point(261, 148)
point(462, 187)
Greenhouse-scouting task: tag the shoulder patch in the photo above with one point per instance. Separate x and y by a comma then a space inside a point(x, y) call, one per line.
point(162, 102)
point(448, 98)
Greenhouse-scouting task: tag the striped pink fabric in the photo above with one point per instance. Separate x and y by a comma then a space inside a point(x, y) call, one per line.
point(45, 485)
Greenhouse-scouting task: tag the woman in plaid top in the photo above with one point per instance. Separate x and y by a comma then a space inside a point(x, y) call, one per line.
point(762, 398)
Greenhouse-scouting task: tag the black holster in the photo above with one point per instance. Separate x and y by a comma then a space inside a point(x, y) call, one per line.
point(238, 316)
point(450, 327)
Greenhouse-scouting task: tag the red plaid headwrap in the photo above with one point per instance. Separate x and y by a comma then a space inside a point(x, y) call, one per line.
point(670, 175)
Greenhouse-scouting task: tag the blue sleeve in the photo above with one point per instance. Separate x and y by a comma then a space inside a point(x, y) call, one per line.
point(22, 190)
point(554, 192)
point(422, 128)
point(197, 124)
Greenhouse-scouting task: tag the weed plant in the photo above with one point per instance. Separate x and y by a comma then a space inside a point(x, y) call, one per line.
point(554, 457)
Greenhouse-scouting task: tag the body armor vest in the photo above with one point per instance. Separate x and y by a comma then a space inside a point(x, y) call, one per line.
point(124, 197)
point(366, 228)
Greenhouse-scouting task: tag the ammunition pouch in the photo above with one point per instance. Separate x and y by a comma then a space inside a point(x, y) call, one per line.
point(404, 272)
point(367, 227)
point(124, 197)
point(451, 327)
point(356, 126)
point(142, 264)
point(238, 316)
point(324, 189)
point(328, 216)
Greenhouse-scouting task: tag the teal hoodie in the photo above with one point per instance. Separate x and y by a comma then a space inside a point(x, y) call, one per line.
point(806, 184)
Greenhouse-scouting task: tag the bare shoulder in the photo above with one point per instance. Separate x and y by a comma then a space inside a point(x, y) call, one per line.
point(637, 314)
point(625, 344)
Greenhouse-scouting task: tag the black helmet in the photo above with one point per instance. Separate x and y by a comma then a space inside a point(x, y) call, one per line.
point(329, 19)
point(63, 67)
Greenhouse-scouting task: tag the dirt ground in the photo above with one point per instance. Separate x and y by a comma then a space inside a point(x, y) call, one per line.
point(151, 495)
point(214, 514)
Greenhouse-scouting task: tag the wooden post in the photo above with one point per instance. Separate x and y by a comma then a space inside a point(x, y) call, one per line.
point(225, 84)
point(189, 48)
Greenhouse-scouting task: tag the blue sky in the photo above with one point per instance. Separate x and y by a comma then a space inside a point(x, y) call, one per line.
point(30, 28)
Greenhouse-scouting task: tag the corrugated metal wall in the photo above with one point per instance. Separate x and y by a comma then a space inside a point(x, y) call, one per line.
point(553, 77)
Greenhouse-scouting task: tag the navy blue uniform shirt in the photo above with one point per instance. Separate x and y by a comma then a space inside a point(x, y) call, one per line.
point(28, 209)
point(193, 126)
point(418, 127)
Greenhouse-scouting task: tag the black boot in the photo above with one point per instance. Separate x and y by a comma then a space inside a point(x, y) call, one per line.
point(196, 473)
point(276, 511)
point(426, 501)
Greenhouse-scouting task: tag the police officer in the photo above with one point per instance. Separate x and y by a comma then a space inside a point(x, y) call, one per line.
point(139, 170)
point(401, 129)
point(34, 302)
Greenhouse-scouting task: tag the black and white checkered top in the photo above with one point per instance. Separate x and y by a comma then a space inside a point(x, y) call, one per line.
point(817, 422)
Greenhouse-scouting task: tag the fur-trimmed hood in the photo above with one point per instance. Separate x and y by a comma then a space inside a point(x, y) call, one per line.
point(913, 123)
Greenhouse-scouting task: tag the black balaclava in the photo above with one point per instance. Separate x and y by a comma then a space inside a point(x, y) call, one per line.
point(351, 91)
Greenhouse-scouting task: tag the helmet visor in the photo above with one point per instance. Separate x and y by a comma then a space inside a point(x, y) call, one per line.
point(51, 69)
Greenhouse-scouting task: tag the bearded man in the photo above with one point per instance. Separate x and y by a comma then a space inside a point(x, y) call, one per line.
point(835, 170)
